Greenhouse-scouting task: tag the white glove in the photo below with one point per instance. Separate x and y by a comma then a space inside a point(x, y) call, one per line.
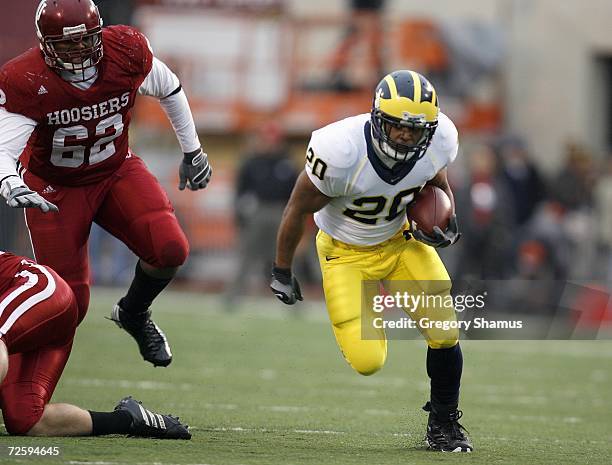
point(18, 195)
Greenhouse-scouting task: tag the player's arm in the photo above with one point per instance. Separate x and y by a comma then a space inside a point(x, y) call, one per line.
point(305, 199)
point(15, 130)
point(441, 238)
point(441, 180)
point(195, 171)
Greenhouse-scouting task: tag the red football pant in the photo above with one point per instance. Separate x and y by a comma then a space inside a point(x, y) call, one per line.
point(130, 204)
point(37, 323)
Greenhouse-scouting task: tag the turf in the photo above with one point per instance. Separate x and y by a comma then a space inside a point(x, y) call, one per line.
point(264, 385)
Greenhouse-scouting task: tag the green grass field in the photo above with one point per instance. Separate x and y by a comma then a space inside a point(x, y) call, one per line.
point(263, 386)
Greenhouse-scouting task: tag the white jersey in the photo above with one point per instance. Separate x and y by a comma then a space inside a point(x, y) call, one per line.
point(368, 198)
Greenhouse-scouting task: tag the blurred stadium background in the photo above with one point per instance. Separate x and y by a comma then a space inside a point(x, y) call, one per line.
point(527, 83)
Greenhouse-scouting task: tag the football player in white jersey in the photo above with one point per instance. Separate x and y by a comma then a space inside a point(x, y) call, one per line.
point(360, 174)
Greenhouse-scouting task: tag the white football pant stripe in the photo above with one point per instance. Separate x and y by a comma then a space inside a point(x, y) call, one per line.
point(30, 301)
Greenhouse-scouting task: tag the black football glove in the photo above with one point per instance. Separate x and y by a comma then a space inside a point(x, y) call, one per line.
point(285, 286)
point(195, 171)
point(439, 238)
point(23, 197)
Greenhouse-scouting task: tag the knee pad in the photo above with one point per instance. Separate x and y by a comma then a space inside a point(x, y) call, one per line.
point(173, 253)
point(367, 357)
point(169, 244)
point(21, 409)
point(367, 366)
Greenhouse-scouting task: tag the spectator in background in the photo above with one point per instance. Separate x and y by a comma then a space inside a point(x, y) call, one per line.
point(537, 287)
point(603, 206)
point(573, 186)
point(522, 177)
point(486, 213)
point(544, 248)
point(365, 27)
point(573, 189)
point(117, 11)
point(264, 183)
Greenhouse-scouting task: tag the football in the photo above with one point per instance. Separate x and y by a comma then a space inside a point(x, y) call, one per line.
point(430, 207)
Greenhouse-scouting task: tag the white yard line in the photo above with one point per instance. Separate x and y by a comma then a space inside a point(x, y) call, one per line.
point(85, 462)
point(240, 429)
point(285, 408)
point(129, 384)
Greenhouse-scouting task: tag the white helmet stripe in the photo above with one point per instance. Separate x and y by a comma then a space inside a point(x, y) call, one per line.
point(41, 6)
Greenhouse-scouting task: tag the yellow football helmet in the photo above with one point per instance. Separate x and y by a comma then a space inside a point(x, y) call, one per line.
point(403, 99)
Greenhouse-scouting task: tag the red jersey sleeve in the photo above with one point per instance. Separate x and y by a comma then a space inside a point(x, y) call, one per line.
point(18, 92)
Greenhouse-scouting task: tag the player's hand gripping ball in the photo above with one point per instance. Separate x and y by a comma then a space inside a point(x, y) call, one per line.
point(431, 218)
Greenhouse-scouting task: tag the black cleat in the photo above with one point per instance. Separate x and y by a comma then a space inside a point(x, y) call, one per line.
point(151, 340)
point(147, 424)
point(446, 434)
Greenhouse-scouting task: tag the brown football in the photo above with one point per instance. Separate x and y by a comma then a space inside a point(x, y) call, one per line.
point(430, 207)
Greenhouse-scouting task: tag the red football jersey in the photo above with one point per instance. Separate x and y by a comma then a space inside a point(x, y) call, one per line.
point(82, 135)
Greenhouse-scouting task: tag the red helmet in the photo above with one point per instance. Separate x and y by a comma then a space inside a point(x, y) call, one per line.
point(70, 34)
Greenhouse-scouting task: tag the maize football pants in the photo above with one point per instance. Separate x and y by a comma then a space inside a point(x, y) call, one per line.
point(401, 266)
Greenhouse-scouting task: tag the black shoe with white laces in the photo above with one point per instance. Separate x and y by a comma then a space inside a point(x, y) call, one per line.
point(445, 433)
point(151, 340)
point(147, 424)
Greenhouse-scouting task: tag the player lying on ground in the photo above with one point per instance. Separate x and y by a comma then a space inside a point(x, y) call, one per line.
point(38, 318)
point(360, 174)
point(65, 111)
